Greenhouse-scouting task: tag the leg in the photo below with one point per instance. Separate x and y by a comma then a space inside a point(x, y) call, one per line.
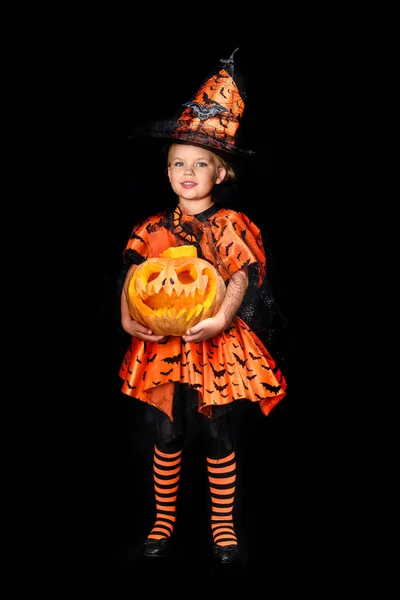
point(166, 473)
point(167, 460)
point(221, 471)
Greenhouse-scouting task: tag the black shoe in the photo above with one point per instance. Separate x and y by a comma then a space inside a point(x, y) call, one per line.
point(156, 548)
point(226, 554)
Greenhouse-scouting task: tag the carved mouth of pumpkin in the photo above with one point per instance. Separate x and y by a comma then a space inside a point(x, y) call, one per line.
point(163, 299)
point(175, 312)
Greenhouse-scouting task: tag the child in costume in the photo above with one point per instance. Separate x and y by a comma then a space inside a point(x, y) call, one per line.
point(220, 360)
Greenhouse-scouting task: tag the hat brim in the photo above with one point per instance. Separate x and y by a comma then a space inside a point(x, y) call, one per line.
point(168, 131)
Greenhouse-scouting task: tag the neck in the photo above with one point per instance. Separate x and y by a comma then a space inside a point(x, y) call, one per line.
point(194, 207)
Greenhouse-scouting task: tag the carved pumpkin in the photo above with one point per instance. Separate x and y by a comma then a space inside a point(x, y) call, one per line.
point(174, 292)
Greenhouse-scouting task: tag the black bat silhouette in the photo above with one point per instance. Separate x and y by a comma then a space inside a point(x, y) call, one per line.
point(220, 388)
point(156, 382)
point(207, 99)
point(138, 360)
point(240, 361)
point(196, 370)
point(134, 236)
point(166, 372)
point(251, 377)
point(131, 387)
point(271, 388)
point(254, 357)
point(228, 247)
point(172, 359)
point(144, 376)
point(196, 386)
point(152, 358)
point(266, 367)
point(220, 373)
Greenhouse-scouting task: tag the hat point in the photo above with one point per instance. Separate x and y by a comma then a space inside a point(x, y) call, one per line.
point(211, 118)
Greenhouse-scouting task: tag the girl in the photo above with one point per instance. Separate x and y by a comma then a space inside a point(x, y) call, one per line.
point(221, 359)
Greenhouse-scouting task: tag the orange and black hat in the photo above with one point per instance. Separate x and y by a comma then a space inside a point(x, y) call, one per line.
point(211, 119)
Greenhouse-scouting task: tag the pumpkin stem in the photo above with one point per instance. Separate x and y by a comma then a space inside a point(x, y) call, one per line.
point(179, 251)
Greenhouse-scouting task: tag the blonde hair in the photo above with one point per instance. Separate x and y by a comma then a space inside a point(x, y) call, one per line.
point(230, 171)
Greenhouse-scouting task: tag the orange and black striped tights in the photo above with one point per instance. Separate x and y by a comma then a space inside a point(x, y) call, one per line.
point(221, 472)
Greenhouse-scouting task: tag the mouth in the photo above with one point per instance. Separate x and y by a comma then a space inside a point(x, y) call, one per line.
point(188, 184)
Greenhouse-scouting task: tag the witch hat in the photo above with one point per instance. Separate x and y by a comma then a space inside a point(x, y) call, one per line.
point(211, 119)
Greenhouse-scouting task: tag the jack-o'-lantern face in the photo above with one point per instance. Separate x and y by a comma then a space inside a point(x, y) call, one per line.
point(174, 292)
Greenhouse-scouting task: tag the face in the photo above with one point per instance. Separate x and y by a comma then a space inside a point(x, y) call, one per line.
point(193, 172)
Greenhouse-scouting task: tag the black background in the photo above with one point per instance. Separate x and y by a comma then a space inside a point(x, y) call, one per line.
point(108, 185)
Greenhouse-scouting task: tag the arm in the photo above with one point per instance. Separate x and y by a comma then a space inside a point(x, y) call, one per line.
point(129, 325)
point(235, 293)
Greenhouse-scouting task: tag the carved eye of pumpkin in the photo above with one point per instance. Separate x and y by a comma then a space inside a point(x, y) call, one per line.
point(174, 292)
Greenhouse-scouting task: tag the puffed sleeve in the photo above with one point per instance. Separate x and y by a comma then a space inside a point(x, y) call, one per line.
point(149, 239)
point(136, 250)
point(239, 242)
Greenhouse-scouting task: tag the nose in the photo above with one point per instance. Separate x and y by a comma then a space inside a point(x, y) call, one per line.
point(189, 169)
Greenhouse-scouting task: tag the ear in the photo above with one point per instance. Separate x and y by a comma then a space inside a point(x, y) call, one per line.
point(169, 173)
point(221, 175)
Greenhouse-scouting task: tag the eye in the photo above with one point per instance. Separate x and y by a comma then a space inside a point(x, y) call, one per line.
point(201, 164)
point(178, 163)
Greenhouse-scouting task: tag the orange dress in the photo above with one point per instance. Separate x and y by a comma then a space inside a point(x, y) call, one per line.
point(233, 365)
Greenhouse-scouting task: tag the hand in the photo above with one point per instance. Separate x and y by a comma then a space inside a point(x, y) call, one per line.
point(205, 329)
point(141, 332)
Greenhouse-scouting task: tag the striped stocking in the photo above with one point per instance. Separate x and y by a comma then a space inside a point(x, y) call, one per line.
point(222, 478)
point(166, 472)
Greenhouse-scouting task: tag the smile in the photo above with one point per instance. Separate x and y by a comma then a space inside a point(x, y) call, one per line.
point(188, 184)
